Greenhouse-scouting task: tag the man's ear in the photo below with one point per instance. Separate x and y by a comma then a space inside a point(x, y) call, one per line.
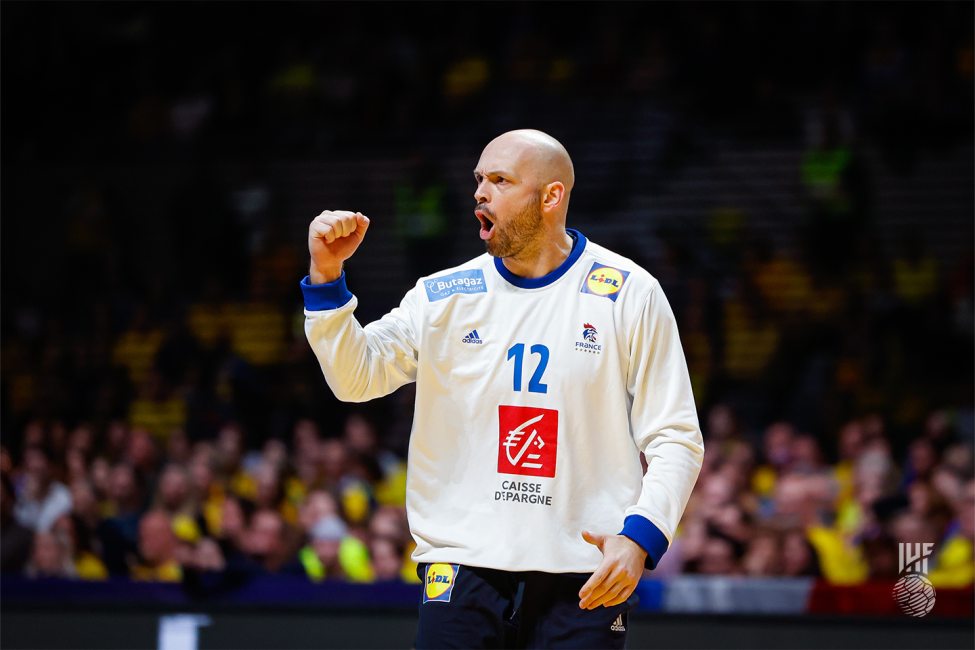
point(553, 195)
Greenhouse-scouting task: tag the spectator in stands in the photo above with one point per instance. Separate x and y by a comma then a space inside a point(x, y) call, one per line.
point(136, 348)
point(718, 557)
point(270, 493)
point(335, 462)
point(175, 498)
point(798, 557)
point(229, 527)
point(16, 540)
point(764, 555)
point(318, 505)
point(123, 510)
point(268, 542)
point(77, 543)
point(142, 454)
point(228, 455)
point(954, 560)
point(85, 509)
point(258, 327)
point(41, 499)
point(157, 410)
point(158, 546)
point(389, 523)
point(386, 561)
point(50, 557)
point(335, 554)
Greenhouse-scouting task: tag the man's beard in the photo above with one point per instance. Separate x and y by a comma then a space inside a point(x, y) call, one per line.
point(519, 233)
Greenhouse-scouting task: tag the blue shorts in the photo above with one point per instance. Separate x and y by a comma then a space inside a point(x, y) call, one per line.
point(472, 607)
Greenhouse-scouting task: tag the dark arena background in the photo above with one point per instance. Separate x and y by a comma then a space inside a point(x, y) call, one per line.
point(798, 176)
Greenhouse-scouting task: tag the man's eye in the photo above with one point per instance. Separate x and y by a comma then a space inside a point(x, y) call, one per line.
point(500, 179)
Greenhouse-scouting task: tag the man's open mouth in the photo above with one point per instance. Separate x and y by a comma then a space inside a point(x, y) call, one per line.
point(487, 225)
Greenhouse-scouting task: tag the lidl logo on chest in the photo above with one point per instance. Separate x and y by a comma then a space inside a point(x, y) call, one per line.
point(605, 281)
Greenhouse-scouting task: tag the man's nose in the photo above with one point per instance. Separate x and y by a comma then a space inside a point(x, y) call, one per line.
point(480, 195)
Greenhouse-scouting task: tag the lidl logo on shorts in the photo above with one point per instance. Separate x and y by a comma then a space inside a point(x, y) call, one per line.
point(460, 282)
point(440, 582)
point(604, 281)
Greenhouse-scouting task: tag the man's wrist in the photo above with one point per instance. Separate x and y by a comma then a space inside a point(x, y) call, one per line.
point(636, 545)
point(647, 536)
point(324, 275)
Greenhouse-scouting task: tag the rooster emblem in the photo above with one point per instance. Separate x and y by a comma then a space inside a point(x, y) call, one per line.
point(589, 333)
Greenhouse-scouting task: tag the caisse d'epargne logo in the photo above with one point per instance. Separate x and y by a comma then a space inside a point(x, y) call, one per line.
point(528, 441)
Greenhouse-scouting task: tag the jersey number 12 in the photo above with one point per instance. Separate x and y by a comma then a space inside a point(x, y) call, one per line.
point(517, 352)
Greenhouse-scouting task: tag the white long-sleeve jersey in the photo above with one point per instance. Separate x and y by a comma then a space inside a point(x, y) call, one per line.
point(534, 398)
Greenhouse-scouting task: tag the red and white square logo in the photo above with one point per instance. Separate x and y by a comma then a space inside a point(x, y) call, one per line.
point(529, 438)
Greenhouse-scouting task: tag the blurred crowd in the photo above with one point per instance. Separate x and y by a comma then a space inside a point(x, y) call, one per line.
point(153, 81)
point(88, 505)
point(196, 441)
point(164, 418)
point(775, 506)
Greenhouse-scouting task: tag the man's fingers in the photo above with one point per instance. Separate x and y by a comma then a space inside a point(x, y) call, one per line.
point(362, 222)
point(323, 230)
point(350, 224)
point(595, 540)
point(598, 592)
point(611, 594)
point(338, 214)
point(341, 223)
point(596, 585)
point(621, 597)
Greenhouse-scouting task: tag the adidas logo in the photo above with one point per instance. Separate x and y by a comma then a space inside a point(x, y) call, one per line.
point(472, 338)
point(618, 625)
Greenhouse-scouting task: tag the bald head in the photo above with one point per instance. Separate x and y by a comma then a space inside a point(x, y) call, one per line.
point(523, 182)
point(536, 156)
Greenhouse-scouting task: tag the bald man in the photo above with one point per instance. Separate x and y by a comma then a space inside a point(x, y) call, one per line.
point(543, 368)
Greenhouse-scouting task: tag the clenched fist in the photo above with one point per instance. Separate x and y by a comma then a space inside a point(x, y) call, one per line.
point(332, 238)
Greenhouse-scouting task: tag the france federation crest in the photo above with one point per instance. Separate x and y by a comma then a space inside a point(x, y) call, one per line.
point(589, 333)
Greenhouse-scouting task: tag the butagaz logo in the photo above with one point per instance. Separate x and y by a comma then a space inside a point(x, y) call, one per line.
point(618, 625)
point(604, 281)
point(460, 282)
point(589, 342)
point(913, 591)
point(472, 338)
point(439, 582)
point(528, 441)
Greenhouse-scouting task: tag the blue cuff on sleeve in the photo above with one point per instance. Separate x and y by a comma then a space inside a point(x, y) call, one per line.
point(319, 297)
point(648, 536)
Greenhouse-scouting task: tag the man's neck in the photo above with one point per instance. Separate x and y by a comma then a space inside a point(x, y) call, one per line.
point(538, 261)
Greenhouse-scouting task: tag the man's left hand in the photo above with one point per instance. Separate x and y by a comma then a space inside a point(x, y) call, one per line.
point(618, 574)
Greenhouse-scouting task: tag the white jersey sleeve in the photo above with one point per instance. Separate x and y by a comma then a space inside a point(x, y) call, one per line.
point(360, 363)
point(663, 417)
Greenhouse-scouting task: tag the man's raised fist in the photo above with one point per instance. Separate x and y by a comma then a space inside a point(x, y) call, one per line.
point(333, 237)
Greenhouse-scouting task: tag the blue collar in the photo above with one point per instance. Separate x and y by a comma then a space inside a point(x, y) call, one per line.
point(537, 283)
